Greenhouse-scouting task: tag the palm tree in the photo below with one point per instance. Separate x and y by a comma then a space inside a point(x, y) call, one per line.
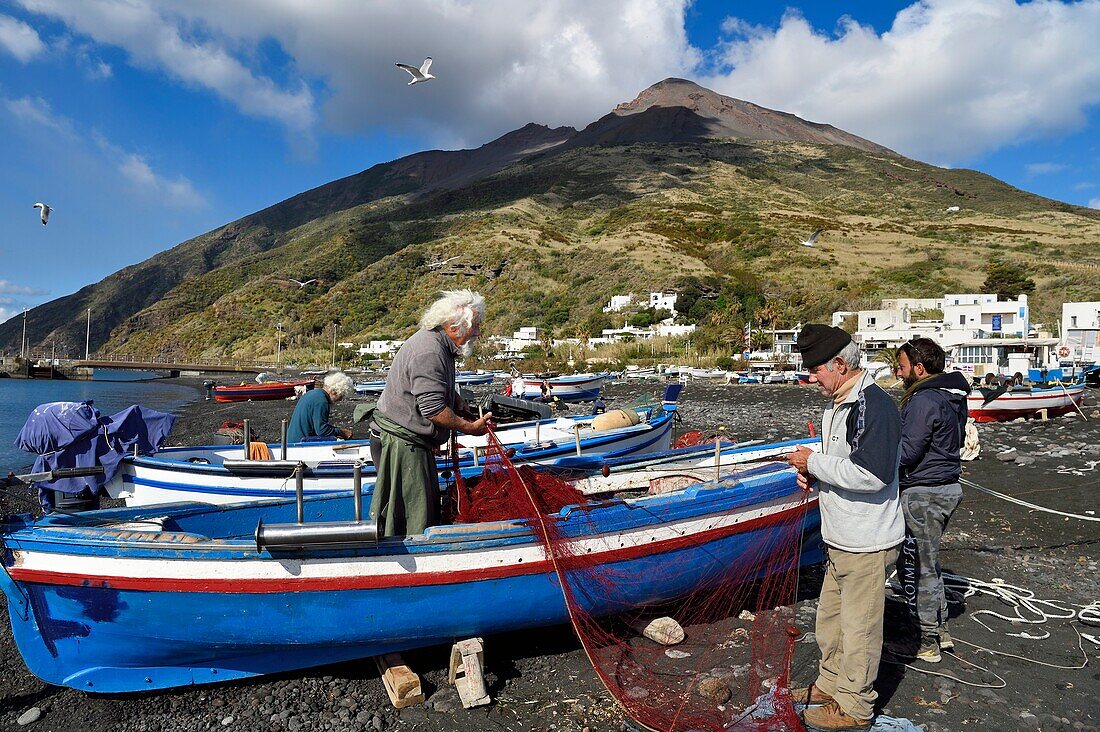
point(889, 356)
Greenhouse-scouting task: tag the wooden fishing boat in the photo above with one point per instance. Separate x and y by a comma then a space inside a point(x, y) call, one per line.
point(219, 474)
point(257, 392)
point(572, 388)
point(131, 599)
point(473, 378)
point(995, 405)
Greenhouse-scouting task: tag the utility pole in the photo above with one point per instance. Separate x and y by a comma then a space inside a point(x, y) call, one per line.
point(334, 345)
point(23, 345)
point(88, 336)
point(279, 347)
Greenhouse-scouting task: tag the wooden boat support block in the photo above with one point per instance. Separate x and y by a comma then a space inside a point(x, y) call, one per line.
point(467, 672)
point(402, 685)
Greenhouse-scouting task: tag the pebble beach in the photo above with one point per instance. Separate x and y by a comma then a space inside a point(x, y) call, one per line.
point(998, 678)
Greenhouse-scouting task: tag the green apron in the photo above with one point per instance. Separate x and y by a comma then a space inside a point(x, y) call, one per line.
point(406, 491)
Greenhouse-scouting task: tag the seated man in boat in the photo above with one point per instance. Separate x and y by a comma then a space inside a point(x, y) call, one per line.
point(310, 420)
point(418, 410)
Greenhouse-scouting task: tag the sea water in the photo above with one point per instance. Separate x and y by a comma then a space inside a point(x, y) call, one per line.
point(110, 392)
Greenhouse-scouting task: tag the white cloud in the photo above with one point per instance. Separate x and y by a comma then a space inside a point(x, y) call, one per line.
point(1084, 186)
point(19, 39)
point(1045, 168)
point(10, 288)
point(156, 38)
point(37, 114)
point(949, 81)
point(500, 64)
point(178, 193)
point(1094, 203)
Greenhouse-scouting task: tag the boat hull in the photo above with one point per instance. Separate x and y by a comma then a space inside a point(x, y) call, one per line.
point(1011, 405)
point(565, 388)
point(258, 392)
point(169, 477)
point(130, 615)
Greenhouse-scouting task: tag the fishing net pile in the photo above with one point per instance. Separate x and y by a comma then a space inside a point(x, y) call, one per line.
point(683, 601)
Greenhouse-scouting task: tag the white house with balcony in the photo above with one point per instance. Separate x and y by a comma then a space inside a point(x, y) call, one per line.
point(663, 301)
point(1080, 334)
point(986, 316)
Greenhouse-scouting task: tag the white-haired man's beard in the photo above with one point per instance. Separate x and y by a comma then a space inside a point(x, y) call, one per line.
point(467, 349)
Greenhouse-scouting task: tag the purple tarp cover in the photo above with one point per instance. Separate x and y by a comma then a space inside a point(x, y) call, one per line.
point(76, 435)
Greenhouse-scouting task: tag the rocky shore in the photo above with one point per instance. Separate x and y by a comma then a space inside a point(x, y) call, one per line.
point(542, 680)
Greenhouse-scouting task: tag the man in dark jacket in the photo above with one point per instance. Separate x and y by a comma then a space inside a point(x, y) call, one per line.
point(933, 424)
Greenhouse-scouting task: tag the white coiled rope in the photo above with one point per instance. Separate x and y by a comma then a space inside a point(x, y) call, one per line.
point(1025, 504)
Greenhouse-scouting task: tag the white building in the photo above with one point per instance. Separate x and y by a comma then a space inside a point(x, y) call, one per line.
point(619, 302)
point(985, 315)
point(1080, 334)
point(379, 348)
point(663, 301)
point(673, 330)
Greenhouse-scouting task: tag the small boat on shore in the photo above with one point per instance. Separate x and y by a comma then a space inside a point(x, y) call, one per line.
point(128, 600)
point(1004, 403)
point(258, 392)
point(572, 388)
point(220, 474)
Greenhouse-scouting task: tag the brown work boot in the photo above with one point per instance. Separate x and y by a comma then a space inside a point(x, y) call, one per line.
point(831, 718)
point(809, 695)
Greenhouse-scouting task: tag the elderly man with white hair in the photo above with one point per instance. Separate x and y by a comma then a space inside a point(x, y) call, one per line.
point(418, 410)
point(861, 524)
point(311, 415)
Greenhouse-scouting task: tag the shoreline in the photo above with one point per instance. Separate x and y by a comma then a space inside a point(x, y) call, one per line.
point(542, 678)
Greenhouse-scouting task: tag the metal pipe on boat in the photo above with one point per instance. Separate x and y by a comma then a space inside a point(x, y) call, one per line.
point(357, 491)
point(300, 491)
point(538, 424)
point(247, 439)
point(316, 535)
point(282, 452)
point(717, 453)
point(577, 436)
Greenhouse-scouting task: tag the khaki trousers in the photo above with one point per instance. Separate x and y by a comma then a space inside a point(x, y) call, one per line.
point(849, 627)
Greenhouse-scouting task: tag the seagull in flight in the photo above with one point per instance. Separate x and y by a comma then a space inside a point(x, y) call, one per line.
point(300, 283)
point(44, 214)
point(420, 74)
point(813, 238)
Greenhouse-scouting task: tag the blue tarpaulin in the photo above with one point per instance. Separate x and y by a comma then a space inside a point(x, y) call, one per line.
point(76, 435)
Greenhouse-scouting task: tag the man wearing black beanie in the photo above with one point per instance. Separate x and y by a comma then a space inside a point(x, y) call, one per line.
point(856, 474)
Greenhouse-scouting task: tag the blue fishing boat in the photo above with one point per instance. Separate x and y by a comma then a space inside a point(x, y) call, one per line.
point(218, 474)
point(133, 599)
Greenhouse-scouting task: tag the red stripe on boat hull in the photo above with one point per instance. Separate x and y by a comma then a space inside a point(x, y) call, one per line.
point(260, 586)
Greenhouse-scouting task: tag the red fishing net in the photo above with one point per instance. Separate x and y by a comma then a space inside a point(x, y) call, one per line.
point(680, 592)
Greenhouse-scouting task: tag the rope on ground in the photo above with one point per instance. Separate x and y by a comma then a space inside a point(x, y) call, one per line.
point(1027, 608)
point(1025, 504)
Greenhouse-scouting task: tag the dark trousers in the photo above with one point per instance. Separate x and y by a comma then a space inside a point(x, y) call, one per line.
point(927, 510)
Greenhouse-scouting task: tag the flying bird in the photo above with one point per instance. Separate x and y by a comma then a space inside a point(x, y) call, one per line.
point(44, 214)
point(420, 74)
point(300, 283)
point(813, 238)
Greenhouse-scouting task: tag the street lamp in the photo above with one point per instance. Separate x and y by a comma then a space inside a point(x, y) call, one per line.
point(23, 345)
point(88, 336)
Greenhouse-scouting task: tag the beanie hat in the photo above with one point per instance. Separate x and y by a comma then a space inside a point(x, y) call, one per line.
point(819, 343)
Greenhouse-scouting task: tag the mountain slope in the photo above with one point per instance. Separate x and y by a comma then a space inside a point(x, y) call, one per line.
point(681, 188)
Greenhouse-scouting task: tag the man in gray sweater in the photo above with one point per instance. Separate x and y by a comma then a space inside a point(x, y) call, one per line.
point(417, 411)
point(856, 474)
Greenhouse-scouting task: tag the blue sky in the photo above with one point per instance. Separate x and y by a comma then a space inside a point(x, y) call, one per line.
point(146, 123)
